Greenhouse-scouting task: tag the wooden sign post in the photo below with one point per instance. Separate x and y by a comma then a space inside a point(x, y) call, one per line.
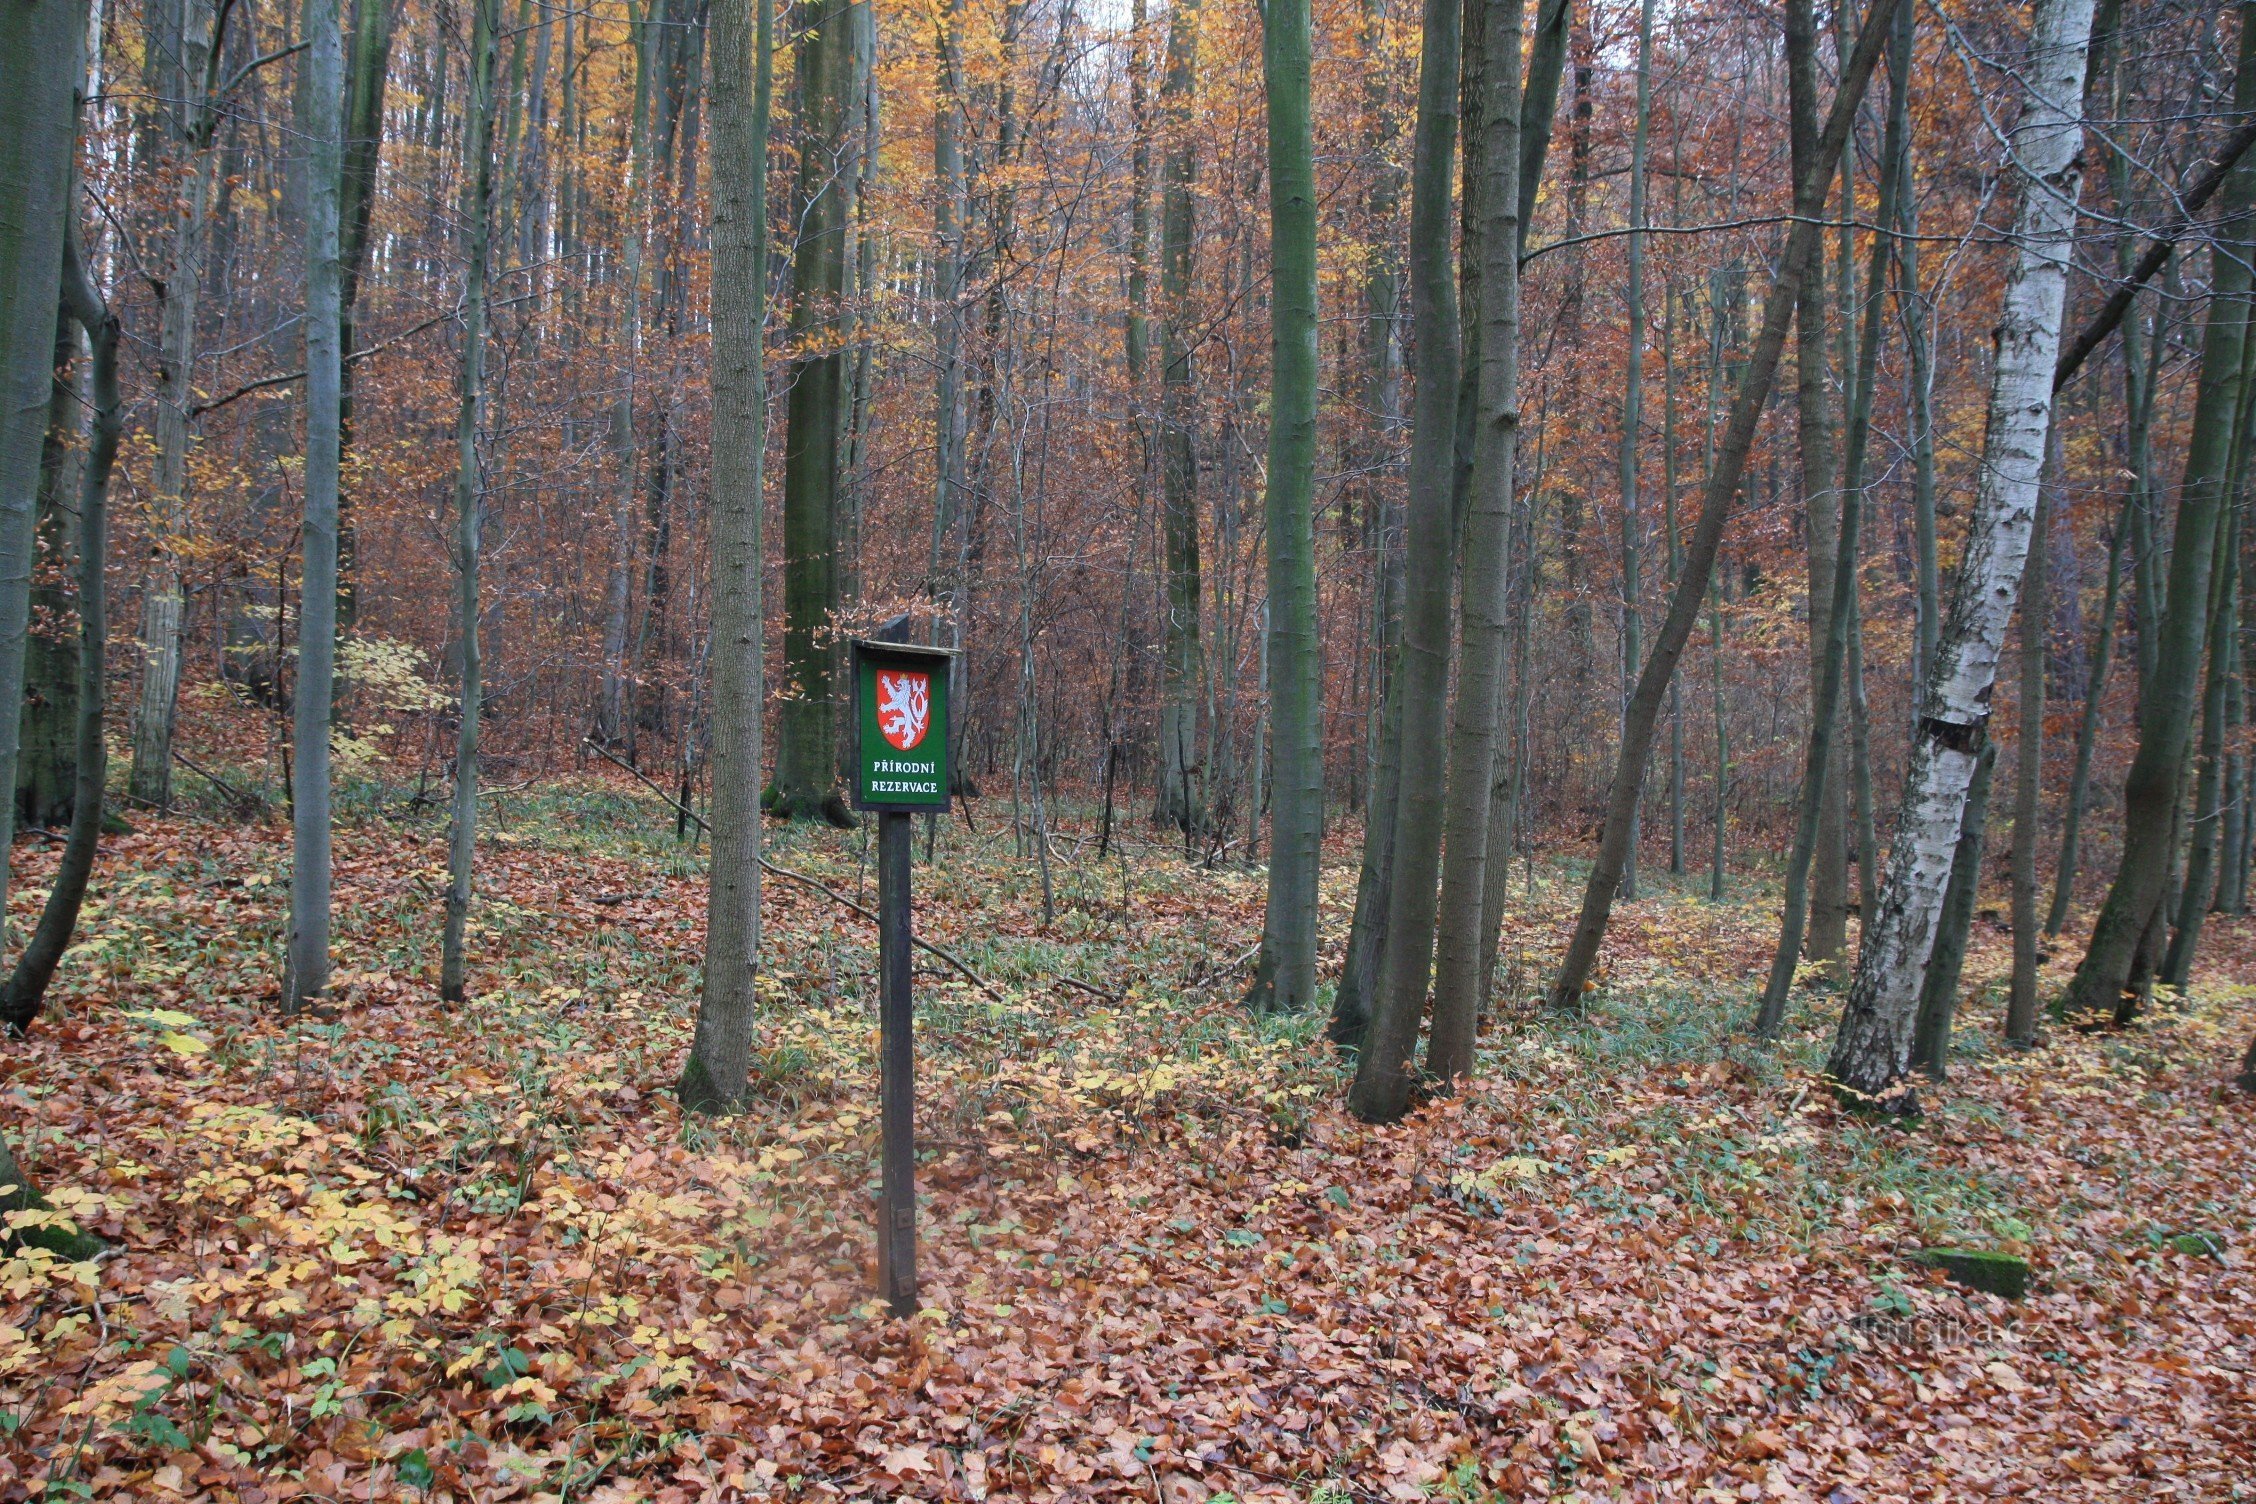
point(900, 768)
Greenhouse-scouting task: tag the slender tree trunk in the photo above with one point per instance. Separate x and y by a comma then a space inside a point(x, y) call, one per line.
point(2087, 728)
point(1633, 409)
point(1487, 545)
point(1675, 567)
point(1920, 379)
point(1718, 855)
point(2151, 791)
point(58, 917)
point(1384, 1075)
point(38, 46)
point(164, 599)
point(714, 1076)
point(1723, 288)
point(1873, 1048)
point(611, 710)
point(368, 70)
point(1823, 889)
point(1181, 801)
point(1285, 980)
point(2201, 862)
point(306, 967)
point(469, 494)
point(1938, 985)
point(947, 297)
point(2028, 772)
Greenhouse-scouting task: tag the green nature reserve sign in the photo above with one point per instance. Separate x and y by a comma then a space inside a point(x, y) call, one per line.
point(901, 710)
point(900, 767)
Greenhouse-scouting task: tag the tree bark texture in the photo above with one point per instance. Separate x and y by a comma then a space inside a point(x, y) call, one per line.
point(1384, 1075)
point(306, 967)
point(719, 1064)
point(58, 917)
point(469, 494)
point(1286, 979)
point(1461, 951)
point(1872, 1050)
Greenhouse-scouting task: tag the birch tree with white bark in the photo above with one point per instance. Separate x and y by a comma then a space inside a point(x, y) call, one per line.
point(1872, 1052)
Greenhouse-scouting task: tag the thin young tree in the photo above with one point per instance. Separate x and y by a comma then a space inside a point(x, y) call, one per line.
point(1938, 987)
point(191, 116)
point(1823, 886)
point(469, 493)
point(1285, 980)
point(1872, 1050)
point(1181, 799)
point(306, 967)
point(2028, 772)
point(2198, 884)
point(719, 1063)
point(1633, 408)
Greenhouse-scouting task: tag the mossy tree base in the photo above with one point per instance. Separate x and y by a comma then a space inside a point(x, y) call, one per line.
point(809, 805)
point(699, 1094)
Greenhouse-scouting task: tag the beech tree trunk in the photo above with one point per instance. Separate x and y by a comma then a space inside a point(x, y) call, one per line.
point(1487, 550)
point(368, 68)
point(2203, 851)
point(1384, 1074)
point(714, 1076)
point(2087, 729)
point(306, 966)
point(39, 45)
point(1633, 409)
point(1285, 980)
point(2028, 774)
point(191, 120)
point(809, 715)
point(469, 495)
point(1872, 1050)
point(1938, 989)
point(58, 917)
point(1824, 879)
point(1181, 795)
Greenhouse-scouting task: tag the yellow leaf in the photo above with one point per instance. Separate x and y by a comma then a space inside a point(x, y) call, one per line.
point(183, 1044)
point(169, 1018)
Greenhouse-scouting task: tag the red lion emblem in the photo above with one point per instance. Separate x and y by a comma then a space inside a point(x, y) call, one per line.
point(904, 706)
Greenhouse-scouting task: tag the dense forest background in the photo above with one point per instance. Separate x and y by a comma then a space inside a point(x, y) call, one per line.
point(1599, 696)
point(1107, 251)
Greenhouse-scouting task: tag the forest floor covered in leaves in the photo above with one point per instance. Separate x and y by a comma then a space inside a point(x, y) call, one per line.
point(410, 1251)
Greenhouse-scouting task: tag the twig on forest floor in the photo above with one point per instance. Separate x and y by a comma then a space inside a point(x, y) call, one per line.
point(1228, 968)
point(241, 797)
